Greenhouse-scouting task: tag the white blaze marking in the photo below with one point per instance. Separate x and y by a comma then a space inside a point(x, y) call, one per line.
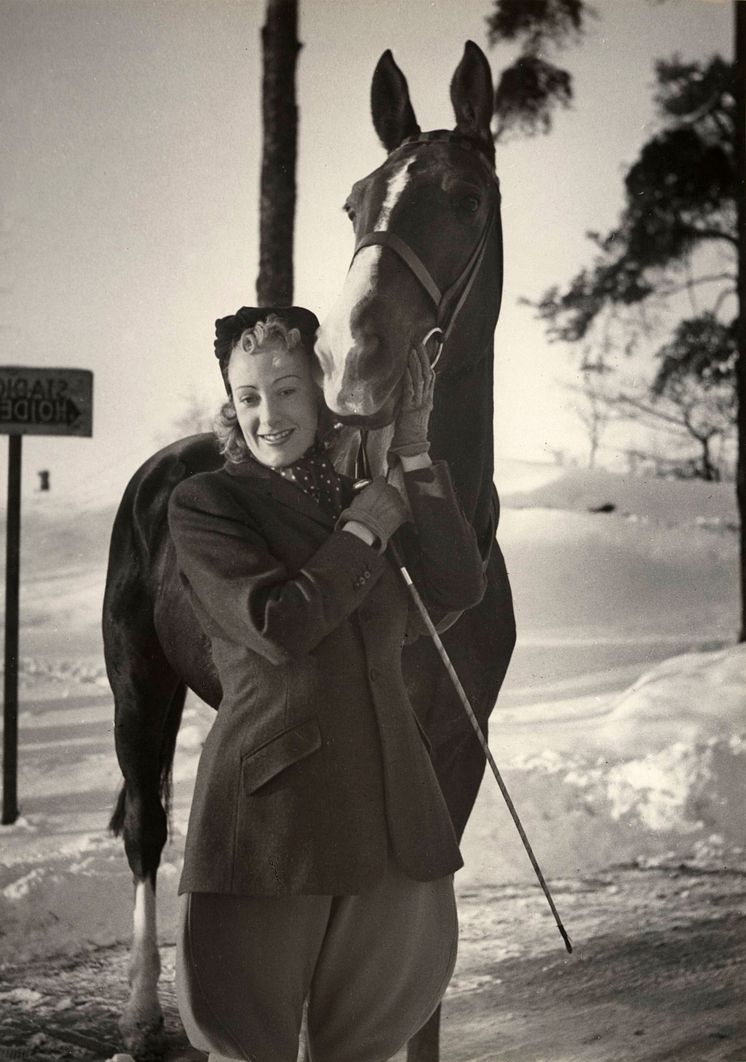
point(397, 183)
point(336, 330)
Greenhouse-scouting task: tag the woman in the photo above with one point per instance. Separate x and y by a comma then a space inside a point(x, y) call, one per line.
point(320, 853)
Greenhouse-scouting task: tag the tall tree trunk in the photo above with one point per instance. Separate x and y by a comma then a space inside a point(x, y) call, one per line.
point(280, 47)
point(739, 13)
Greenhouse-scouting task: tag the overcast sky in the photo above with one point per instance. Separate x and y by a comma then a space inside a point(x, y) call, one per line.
point(129, 187)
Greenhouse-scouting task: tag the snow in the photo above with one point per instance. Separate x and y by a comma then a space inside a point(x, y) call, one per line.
point(591, 797)
point(620, 732)
point(670, 501)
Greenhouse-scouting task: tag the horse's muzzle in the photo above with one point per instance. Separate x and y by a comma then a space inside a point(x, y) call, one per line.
point(360, 405)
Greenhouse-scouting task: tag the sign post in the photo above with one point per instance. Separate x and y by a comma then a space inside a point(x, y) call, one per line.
point(12, 571)
point(32, 402)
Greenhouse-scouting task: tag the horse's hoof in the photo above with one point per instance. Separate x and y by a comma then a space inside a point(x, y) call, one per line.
point(145, 1039)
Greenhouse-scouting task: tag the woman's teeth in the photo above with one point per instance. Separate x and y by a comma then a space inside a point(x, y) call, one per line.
point(277, 436)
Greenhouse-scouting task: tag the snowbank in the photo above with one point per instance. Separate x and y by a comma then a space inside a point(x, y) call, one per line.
point(658, 776)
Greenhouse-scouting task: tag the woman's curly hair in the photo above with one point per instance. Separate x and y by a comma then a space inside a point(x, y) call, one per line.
point(229, 435)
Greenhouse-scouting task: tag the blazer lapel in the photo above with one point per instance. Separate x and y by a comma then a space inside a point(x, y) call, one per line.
point(284, 492)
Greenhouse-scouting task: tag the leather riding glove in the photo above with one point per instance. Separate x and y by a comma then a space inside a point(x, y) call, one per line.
point(418, 388)
point(379, 507)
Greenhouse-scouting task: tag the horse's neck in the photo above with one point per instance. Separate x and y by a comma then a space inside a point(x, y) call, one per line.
point(461, 433)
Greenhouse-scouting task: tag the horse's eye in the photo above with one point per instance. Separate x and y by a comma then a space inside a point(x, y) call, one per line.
point(470, 203)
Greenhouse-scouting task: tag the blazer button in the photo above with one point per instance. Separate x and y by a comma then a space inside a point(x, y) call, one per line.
point(374, 673)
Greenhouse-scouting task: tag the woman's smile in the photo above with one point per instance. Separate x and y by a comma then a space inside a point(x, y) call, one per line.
point(277, 437)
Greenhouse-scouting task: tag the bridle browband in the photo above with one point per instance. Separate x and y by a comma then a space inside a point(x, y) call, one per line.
point(448, 303)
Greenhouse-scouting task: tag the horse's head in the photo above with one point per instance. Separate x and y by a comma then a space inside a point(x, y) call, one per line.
point(426, 223)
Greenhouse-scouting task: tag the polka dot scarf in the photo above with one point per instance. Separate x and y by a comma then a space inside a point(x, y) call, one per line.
point(315, 475)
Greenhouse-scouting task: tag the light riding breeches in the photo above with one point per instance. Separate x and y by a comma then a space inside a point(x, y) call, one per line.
point(373, 967)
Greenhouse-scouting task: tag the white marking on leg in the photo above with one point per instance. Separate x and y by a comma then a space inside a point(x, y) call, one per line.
point(336, 340)
point(145, 967)
point(143, 1018)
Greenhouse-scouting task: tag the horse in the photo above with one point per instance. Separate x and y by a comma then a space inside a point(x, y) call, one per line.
point(427, 269)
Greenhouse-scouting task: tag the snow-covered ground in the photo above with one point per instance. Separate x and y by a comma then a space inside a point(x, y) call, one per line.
point(620, 729)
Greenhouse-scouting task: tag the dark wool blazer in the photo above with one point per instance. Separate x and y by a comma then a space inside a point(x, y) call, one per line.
point(315, 762)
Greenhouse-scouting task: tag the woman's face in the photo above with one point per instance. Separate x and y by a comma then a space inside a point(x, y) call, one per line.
point(276, 402)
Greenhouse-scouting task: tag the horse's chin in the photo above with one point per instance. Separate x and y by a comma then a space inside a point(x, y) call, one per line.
point(380, 419)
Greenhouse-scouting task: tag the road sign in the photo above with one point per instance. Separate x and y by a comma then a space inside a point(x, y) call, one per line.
point(32, 402)
point(45, 401)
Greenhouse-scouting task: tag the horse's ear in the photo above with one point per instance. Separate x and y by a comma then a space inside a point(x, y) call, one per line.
point(471, 94)
point(393, 117)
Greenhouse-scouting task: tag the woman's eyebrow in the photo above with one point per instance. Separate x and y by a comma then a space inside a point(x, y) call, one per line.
point(277, 379)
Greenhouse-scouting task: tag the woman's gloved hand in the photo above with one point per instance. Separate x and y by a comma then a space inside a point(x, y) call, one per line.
point(410, 429)
point(380, 508)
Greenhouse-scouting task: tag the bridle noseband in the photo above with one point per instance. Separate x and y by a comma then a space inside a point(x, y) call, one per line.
point(448, 303)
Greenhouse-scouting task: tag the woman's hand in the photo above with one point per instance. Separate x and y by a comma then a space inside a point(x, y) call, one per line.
point(379, 508)
point(410, 430)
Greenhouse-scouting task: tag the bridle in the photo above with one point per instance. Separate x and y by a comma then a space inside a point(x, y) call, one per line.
point(448, 303)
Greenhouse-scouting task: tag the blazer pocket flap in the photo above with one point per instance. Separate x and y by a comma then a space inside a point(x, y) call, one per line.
point(258, 766)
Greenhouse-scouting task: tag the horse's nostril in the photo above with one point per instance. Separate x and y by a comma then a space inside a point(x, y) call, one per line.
point(358, 396)
point(355, 403)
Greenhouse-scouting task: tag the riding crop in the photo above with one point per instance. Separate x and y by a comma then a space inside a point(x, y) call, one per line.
point(443, 654)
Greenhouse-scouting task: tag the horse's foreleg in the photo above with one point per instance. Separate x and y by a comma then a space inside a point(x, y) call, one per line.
point(425, 1045)
point(145, 753)
point(141, 1024)
point(145, 832)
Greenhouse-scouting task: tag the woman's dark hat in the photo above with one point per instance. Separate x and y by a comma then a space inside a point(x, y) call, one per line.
point(228, 330)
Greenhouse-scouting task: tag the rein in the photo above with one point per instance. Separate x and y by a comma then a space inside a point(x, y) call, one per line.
point(449, 303)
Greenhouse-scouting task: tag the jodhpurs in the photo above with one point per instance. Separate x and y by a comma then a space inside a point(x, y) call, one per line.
point(373, 968)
